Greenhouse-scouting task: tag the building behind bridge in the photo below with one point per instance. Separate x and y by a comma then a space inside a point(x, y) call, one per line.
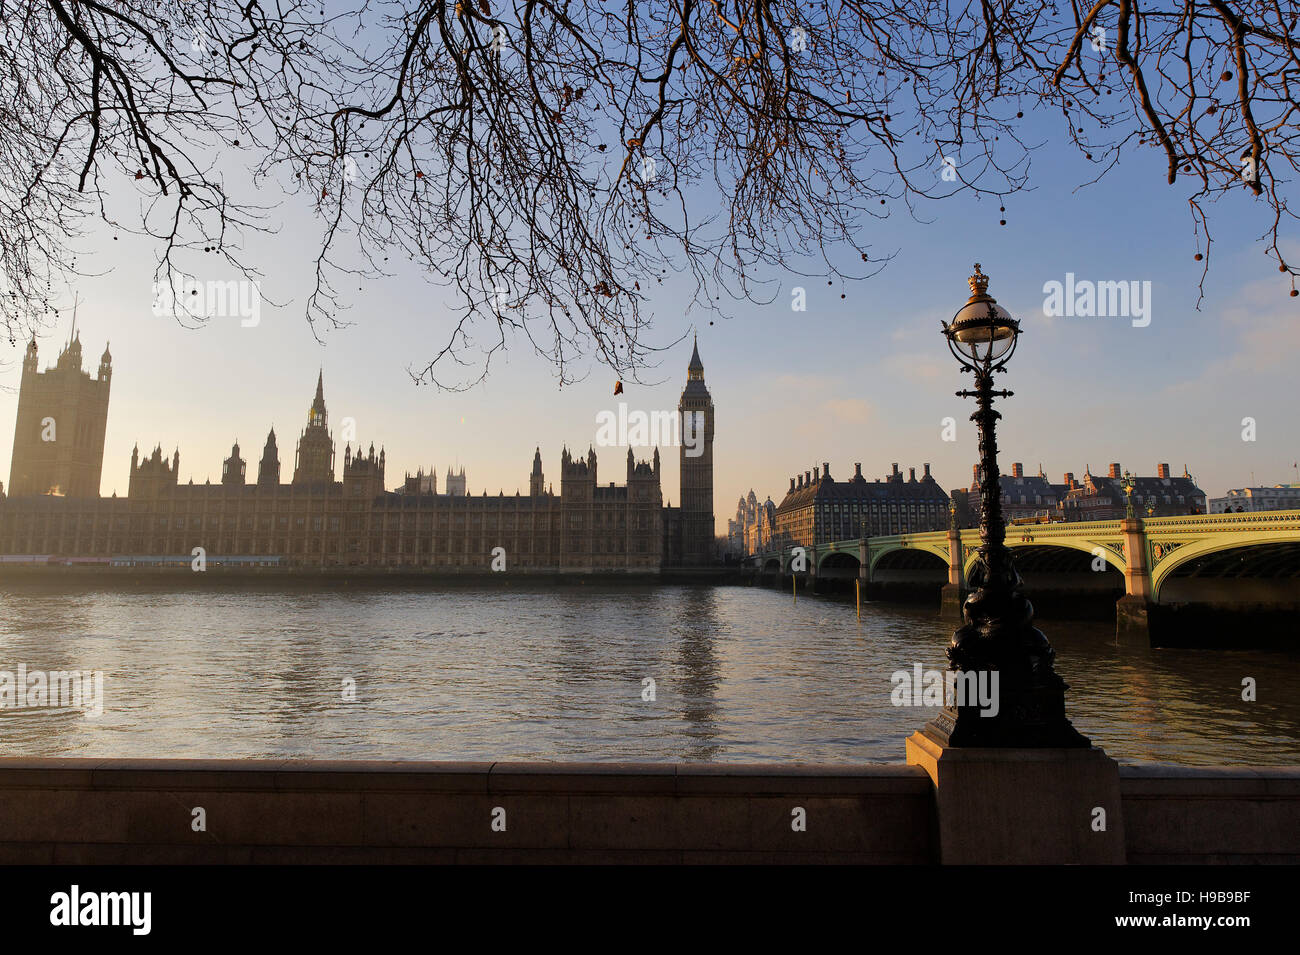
point(1092, 498)
point(817, 509)
point(1279, 497)
point(318, 521)
point(1024, 496)
point(753, 528)
point(1098, 498)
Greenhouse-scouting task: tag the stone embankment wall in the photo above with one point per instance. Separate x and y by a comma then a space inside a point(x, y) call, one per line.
point(146, 811)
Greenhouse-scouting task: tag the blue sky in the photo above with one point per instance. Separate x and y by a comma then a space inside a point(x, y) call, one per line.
point(862, 378)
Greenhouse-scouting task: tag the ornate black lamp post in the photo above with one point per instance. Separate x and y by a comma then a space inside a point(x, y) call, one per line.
point(999, 640)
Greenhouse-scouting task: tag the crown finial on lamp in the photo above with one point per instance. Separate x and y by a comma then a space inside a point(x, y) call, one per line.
point(979, 285)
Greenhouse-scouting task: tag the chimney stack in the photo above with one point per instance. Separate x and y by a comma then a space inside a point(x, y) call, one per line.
point(1162, 470)
point(926, 476)
point(1069, 479)
point(1018, 470)
point(792, 484)
point(1115, 471)
point(807, 478)
point(911, 475)
point(895, 474)
point(826, 470)
point(857, 469)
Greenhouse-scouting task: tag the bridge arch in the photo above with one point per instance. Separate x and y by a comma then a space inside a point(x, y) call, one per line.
point(1113, 558)
point(915, 572)
point(837, 571)
point(925, 547)
point(838, 565)
point(1275, 553)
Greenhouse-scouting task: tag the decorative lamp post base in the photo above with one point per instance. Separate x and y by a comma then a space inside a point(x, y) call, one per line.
point(1032, 718)
point(1000, 653)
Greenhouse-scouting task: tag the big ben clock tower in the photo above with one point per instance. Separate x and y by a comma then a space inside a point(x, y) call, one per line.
point(696, 412)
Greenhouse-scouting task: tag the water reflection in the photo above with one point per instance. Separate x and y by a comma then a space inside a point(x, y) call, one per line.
point(695, 636)
point(741, 674)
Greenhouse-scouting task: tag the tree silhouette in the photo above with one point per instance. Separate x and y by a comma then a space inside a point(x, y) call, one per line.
point(552, 162)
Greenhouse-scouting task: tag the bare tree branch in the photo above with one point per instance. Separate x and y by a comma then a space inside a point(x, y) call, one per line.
point(549, 162)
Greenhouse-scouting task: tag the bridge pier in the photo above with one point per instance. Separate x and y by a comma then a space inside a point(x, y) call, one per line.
point(951, 599)
point(1133, 610)
point(1133, 621)
point(953, 593)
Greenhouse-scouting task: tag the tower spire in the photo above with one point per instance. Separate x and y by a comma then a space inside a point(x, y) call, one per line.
point(317, 414)
point(695, 370)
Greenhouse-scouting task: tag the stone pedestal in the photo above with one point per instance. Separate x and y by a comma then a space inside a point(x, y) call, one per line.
point(1023, 806)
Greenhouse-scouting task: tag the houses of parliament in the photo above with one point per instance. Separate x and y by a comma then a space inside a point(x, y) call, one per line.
point(52, 510)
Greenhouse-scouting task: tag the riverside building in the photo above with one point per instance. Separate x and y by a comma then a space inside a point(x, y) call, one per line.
point(325, 519)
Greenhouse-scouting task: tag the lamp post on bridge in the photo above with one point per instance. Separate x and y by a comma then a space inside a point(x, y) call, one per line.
point(998, 640)
point(1127, 483)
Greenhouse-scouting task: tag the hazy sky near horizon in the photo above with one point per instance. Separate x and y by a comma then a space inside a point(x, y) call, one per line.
point(862, 375)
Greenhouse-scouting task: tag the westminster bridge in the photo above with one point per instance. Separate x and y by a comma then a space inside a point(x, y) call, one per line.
point(1160, 572)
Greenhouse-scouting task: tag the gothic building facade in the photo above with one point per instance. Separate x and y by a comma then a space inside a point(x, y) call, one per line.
point(316, 521)
point(59, 430)
point(754, 528)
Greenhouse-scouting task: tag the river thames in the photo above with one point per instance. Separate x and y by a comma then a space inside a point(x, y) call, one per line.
point(560, 673)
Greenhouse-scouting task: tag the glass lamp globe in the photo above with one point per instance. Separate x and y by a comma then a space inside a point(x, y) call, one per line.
point(982, 331)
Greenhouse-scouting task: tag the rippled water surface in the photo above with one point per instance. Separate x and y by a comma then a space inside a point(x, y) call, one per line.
point(740, 674)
